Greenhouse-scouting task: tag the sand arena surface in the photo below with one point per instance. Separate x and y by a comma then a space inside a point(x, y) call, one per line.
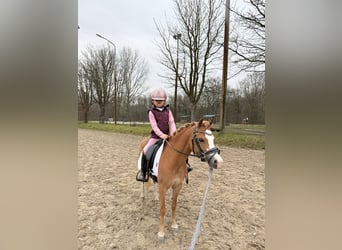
point(112, 215)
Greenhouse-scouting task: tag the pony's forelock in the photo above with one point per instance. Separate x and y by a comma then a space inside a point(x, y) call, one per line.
point(204, 123)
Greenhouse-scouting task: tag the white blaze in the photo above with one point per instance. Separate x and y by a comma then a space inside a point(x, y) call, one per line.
point(210, 137)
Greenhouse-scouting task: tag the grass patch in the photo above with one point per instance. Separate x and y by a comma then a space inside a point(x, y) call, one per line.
point(141, 129)
point(237, 136)
point(240, 141)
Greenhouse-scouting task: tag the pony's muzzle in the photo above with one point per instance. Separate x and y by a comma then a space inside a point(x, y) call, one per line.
point(214, 159)
point(212, 162)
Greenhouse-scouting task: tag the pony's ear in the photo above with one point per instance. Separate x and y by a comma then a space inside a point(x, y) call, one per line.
point(210, 122)
point(200, 123)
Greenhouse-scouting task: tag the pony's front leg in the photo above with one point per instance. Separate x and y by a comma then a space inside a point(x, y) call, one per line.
point(175, 193)
point(162, 192)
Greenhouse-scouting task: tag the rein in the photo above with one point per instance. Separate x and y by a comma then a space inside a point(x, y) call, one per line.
point(180, 152)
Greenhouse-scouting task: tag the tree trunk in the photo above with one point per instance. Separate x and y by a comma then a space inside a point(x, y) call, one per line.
point(193, 112)
point(102, 114)
point(85, 116)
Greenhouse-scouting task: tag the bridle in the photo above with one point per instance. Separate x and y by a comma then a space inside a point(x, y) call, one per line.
point(203, 155)
point(196, 141)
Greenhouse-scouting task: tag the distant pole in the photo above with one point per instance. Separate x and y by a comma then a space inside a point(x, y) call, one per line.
point(225, 67)
point(115, 77)
point(176, 37)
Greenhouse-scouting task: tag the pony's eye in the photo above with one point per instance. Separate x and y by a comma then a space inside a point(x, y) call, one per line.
point(201, 140)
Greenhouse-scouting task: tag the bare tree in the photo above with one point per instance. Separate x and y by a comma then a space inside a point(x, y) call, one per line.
point(132, 73)
point(201, 23)
point(247, 41)
point(253, 90)
point(84, 90)
point(139, 110)
point(210, 99)
point(99, 68)
point(234, 106)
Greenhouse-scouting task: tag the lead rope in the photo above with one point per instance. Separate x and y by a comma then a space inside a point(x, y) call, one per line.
point(200, 217)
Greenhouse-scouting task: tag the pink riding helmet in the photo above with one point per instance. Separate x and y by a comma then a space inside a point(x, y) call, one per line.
point(158, 94)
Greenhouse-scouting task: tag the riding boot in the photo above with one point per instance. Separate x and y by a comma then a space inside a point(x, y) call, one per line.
point(189, 168)
point(141, 176)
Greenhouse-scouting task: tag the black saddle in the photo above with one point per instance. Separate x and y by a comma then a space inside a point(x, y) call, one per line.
point(150, 155)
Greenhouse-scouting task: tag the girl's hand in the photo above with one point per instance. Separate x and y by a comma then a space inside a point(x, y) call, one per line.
point(165, 137)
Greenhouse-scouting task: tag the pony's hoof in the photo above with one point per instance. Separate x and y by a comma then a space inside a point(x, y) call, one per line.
point(161, 237)
point(174, 229)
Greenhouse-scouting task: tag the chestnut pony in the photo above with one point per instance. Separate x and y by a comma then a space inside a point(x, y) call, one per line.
point(192, 139)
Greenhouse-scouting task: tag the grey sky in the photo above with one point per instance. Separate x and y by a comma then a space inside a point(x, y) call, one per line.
point(126, 23)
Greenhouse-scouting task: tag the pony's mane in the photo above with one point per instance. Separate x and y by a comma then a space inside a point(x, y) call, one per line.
point(186, 125)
